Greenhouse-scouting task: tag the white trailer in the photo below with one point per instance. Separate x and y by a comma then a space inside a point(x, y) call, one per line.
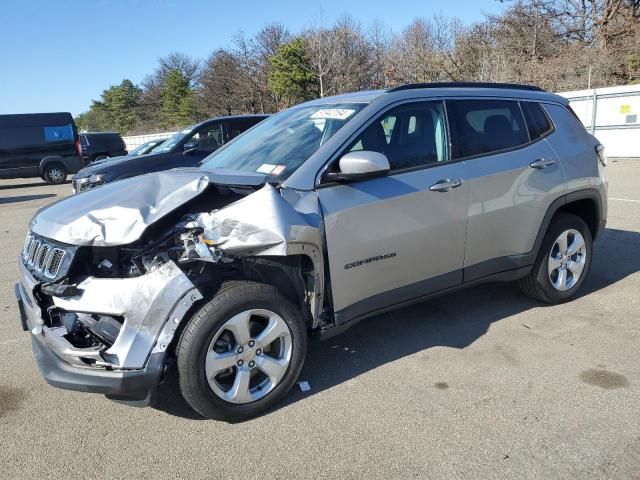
point(612, 114)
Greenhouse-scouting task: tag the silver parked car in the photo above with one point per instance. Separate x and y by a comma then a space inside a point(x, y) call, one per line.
point(318, 217)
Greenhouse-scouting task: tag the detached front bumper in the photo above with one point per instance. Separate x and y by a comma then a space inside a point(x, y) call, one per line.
point(152, 307)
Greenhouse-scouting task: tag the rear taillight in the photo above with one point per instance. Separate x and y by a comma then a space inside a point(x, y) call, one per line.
point(78, 148)
point(601, 155)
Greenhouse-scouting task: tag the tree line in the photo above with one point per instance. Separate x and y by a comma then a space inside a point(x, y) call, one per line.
point(558, 45)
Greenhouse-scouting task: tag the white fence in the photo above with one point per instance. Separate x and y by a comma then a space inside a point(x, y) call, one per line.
point(137, 140)
point(613, 115)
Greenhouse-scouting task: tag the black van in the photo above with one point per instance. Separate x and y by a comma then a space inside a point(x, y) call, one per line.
point(101, 145)
point(42, 145)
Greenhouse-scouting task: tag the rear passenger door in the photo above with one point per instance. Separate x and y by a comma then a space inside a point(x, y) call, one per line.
point(513, 176)
point(398, 237)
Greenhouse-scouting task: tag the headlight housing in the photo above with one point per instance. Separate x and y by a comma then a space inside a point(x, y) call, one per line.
point(96, 179)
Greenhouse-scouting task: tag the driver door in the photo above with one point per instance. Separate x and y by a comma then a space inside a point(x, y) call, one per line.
point(396, 238)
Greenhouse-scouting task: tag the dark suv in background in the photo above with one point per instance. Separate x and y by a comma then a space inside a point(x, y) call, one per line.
point(186, 148)
point(101, 145)
point(42, 145)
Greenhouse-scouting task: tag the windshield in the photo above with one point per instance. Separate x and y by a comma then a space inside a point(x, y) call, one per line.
point(172, 141)
point(278, 145)
point(142, 148)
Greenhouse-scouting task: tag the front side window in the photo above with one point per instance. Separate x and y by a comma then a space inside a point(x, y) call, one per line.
point(481, 127)
point(170, 143)
point(411, 135)
point(208, 139)
point(278, 145)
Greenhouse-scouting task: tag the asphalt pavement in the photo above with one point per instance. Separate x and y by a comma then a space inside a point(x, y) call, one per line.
point(484, 383)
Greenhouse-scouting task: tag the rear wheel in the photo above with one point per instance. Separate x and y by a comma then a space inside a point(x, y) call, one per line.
point(241, 352)
point(54, 174)
point(563, 262)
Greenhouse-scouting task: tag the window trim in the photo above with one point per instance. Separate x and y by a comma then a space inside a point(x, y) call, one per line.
point(504, 150)
point(510, 149)
point(320, 174)
point(552, 127)
point(341, 151)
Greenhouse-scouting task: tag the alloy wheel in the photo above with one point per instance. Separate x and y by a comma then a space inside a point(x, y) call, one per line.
point(567, 260)
point(248, 356)
point(56, 175)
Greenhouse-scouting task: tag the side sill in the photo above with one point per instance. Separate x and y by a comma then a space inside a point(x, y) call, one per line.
point(338, 328)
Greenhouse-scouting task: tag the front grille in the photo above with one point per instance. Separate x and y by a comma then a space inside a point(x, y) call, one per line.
point(46, 259)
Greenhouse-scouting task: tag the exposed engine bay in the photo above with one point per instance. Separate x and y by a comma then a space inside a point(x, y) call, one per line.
point(114, 302)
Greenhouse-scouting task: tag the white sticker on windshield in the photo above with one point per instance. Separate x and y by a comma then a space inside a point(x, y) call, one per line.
point(333, 113)
point(266, 168)
point(278, 170)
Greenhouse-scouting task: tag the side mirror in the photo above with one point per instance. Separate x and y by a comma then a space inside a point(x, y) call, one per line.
point(360, 165)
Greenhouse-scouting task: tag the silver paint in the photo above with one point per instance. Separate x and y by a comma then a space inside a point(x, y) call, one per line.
point(145, 302)
point(395, 214)
point(271, 223)
point(508, 196)
point(119, 212)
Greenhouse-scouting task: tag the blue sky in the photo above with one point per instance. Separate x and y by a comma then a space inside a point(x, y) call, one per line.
point(58, 55)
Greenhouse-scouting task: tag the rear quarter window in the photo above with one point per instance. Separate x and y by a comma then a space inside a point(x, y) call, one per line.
point(537, 121)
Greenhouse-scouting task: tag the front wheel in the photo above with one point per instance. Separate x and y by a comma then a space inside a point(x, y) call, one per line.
point(563, 262)
point(241, 352)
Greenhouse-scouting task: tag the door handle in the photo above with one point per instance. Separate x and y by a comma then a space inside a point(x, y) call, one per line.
point(446, 184)
point(542, 163)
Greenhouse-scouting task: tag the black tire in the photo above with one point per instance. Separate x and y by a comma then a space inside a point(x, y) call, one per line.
point(54, 173)
point(233, 298)
point(538, 284)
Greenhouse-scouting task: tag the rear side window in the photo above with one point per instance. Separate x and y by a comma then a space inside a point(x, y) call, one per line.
point(482, 127)
point(60, 133)
point(537, 121)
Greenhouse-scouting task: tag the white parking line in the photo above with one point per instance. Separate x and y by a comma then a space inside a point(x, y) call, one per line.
point(625, 200)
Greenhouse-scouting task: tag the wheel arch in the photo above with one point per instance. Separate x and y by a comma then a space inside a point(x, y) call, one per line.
point(295, 276)
point(52, 160)
point(586, 204)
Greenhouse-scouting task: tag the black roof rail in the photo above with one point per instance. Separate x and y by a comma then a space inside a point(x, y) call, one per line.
point(507, 86)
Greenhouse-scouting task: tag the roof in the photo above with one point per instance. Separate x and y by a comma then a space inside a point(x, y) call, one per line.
point(445, 89)
point(35, 119)
point(498, 85)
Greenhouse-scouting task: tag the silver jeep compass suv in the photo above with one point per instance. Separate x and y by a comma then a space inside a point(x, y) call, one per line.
point(316, 218)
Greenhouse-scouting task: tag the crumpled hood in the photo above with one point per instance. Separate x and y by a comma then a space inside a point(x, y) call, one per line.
point(119, 212)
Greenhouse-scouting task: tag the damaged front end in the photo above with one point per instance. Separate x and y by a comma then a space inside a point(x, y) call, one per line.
point(110, 276)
